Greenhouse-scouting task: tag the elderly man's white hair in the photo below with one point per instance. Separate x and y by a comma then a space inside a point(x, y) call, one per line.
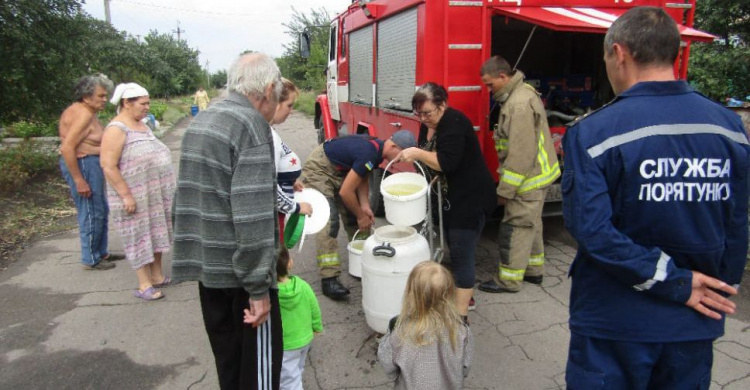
point(251, 73)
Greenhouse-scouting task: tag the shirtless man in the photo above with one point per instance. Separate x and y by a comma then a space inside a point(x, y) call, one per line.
point(81, 136)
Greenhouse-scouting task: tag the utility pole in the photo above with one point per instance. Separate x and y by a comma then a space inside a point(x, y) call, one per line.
point(208, 76)
point(178, 31)
point(106, 11)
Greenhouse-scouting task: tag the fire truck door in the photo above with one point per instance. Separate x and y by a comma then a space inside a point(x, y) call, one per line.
point(332, 72)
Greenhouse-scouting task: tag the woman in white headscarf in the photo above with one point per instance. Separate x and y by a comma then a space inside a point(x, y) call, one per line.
point(138, 168)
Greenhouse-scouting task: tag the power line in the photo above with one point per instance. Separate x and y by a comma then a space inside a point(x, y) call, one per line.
point(178, 31)
point(185, 10)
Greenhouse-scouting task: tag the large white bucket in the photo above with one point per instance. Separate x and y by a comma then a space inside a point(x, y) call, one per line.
point(387, 259)
point(355, 256)
point(404, 198)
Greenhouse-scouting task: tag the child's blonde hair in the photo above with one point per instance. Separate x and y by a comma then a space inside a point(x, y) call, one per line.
point(429, 306)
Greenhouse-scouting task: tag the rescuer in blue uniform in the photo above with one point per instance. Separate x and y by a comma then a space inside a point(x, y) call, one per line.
point(655, 192)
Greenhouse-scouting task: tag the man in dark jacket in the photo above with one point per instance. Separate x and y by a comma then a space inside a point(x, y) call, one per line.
point(655, 192)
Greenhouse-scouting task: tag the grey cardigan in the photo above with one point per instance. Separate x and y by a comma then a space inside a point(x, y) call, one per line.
point(434, 366)
point(225, 225)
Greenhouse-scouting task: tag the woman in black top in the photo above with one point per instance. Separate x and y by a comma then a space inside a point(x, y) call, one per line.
point(449, 147)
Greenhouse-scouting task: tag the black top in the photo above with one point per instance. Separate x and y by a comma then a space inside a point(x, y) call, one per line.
point(471, 189)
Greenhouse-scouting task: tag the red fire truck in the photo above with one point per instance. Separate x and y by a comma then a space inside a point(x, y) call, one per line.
point(381, 50)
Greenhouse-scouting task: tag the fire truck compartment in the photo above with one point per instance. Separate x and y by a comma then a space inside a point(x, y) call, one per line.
point(565, 67)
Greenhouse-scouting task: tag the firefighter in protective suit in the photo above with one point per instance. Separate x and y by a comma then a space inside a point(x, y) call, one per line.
point(528, 165)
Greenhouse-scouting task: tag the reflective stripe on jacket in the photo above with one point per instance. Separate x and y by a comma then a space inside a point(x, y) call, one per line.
point(523, 142)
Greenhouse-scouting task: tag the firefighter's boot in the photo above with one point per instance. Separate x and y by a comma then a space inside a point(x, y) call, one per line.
point(333, 289)
point(535, 270)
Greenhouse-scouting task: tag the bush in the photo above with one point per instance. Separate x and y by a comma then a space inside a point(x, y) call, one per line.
point(24, 129)
point(22, 163)
point(158, 109)
point(105, 116)
point(306, 102)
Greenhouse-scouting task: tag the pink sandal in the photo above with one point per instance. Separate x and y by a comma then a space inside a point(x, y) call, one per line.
point(167, 280)
point(150, 294)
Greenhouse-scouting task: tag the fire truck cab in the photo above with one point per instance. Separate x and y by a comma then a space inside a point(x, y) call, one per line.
point(381, 50)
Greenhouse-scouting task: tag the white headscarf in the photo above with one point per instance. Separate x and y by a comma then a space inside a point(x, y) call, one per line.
point(127, 91)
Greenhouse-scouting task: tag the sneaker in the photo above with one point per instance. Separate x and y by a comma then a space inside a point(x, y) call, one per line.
point(102, 265)
point(472, 304)
point(113, 257)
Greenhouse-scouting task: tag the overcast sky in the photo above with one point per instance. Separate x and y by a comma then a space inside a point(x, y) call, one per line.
point(219, 29)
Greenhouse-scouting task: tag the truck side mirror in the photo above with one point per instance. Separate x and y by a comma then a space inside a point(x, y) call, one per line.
point(304, 44)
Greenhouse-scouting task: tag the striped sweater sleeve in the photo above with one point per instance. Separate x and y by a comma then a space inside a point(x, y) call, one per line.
point(252, 196)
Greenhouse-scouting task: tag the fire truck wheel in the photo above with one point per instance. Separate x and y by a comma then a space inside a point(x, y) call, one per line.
point(376, 198)
point(321, 133)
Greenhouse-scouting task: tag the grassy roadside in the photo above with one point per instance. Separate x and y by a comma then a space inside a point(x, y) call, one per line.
point(305, 102)
point(42, 208)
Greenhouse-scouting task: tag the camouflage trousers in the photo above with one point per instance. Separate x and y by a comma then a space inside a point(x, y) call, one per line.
point(520, 240)
point(319, 173)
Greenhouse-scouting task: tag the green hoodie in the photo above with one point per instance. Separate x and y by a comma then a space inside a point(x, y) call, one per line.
point(300, 313)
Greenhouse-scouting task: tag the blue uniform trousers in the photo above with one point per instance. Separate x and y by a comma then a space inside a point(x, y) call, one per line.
point(608, 364)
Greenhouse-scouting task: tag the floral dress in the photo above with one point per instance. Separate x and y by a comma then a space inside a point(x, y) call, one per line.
point(146, 167)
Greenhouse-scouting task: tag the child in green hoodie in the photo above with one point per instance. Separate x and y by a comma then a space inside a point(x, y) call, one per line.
point(300, 318)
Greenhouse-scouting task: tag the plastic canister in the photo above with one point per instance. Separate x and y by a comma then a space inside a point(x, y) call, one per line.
point(388, 257)
point(355, 256)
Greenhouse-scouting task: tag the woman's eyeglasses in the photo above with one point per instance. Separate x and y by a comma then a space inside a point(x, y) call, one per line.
point(424, 114)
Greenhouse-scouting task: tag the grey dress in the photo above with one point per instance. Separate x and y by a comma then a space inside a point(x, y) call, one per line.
point(434, 366)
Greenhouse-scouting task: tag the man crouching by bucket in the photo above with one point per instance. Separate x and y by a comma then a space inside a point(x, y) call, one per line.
point(339, 169)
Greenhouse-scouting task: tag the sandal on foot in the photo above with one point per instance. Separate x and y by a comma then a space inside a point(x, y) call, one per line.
point(150, 294)
point(164, 283)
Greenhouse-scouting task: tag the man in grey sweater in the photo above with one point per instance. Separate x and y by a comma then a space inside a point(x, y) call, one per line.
point(225, 224)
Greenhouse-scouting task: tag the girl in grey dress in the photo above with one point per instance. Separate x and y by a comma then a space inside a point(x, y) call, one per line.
point(428, 346)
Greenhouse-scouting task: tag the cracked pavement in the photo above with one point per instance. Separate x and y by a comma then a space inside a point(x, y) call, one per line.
point(65, 328)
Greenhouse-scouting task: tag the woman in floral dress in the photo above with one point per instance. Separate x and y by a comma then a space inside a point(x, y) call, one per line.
point(141, 185)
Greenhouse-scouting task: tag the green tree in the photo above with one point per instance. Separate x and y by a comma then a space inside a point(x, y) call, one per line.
point(173, 65)
point(219, 79)
point(40, 54)
point(307, 73)
point(46, 45)
point(722, 69)
point(116, 54)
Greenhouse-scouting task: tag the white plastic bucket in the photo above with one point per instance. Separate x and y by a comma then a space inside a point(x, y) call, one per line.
point(387, 259)
point(355, 256)
point(404, 198)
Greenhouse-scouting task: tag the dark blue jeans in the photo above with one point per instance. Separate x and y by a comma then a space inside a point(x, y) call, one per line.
point(621, 365)
point(463, 247)
point(93, 212)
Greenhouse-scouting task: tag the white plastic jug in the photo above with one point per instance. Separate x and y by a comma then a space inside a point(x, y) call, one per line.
point(355, 256)
point(404, 197)
point(387, 259)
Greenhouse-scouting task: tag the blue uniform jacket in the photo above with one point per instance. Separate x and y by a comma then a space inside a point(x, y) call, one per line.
point(361, 153)
point(655, 185)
